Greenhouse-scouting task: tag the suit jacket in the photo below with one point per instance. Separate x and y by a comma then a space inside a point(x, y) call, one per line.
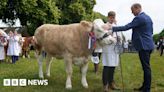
point(142, 31)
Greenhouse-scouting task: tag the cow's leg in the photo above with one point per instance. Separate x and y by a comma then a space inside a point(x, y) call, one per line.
point(28, 53)
point(48, 65)
point(23, 54)
point(40, 63)
point(84, 69)
point(68, 64)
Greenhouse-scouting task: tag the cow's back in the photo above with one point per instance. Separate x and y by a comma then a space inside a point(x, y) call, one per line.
point(61, 39)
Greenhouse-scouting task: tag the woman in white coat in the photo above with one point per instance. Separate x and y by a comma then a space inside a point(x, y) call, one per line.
point(3, 42)
point(110, 59)
point(13, 47)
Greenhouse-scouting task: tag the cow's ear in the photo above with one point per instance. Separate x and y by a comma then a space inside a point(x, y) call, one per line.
point(86, 23)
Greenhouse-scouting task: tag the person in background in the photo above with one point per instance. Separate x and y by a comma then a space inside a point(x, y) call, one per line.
point(142, 40)
point(110, 59)
point(96, 55)
point(13, 47)
point(3, 42)
point(130, 47)
point(158, 45)
point(126, 46)
point(162, 46)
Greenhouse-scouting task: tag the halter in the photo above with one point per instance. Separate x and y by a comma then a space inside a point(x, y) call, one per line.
point(104, 36)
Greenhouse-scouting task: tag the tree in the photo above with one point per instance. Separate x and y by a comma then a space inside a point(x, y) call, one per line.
point(73, 11)
point(98, 15)
point(156, 37)
point(33, 13)
point(161, 34)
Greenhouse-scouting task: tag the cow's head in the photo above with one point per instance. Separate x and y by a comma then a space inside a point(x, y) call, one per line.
point(87, 25)
point(99, 28)
point(103, 35)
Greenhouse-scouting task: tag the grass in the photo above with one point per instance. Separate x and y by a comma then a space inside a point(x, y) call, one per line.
point(131, 67)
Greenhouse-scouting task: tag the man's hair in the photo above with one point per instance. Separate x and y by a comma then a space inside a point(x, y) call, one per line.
point(136, 5)
point(111, 13)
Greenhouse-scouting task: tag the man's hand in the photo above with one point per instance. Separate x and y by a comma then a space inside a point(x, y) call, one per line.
point(105, 27)
point(109, 26)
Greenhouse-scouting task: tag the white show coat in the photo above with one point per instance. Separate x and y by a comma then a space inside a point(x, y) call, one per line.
point(2, 52)
point(125, 45)
point(109, 55)
point(13, 47)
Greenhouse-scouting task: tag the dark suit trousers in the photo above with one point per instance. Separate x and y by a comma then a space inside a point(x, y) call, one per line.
point(162, 47)
point(144, 56)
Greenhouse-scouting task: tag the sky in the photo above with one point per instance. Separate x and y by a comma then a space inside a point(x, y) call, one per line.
point(154, 8)
point(17, 23)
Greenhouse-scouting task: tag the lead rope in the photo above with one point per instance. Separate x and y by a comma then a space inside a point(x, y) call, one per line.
point(119, 49)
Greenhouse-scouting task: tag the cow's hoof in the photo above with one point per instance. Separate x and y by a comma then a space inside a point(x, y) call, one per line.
point(68, 87)
point(48, 75)
point(28, 57)
point(41, 77)
point(85, 85)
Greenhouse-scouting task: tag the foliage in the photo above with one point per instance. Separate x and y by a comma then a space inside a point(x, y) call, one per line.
point(156, 37)
point(33, 13)
point(98, 15)
point(161, 33)
point(74, 11)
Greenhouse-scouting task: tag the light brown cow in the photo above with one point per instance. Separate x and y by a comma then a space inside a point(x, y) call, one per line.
point(64, 41)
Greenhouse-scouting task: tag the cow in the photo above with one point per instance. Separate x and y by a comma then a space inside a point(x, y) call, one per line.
point(69, 42)
point(26, 45)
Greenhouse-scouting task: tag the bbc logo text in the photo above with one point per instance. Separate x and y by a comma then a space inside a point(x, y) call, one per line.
point(24, 82)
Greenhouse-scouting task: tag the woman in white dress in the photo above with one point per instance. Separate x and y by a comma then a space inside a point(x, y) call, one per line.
point(3, 42)
point(13, 47)
point(110, 59)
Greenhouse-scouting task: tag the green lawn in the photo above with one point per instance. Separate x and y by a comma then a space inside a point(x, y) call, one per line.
point(132, 75)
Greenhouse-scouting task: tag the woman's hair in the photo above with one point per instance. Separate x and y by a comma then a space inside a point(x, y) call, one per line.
point(111, 13)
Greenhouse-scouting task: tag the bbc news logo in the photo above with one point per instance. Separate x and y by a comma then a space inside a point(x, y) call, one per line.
point(24, 82)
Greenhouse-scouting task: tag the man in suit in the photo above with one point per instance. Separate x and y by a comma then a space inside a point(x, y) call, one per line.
point(142, 28)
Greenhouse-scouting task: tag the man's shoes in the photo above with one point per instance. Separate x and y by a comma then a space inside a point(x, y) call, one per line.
point(139, 89)
point(113, 86)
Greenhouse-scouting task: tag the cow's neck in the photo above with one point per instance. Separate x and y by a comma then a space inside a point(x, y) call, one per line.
point(84, 39)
